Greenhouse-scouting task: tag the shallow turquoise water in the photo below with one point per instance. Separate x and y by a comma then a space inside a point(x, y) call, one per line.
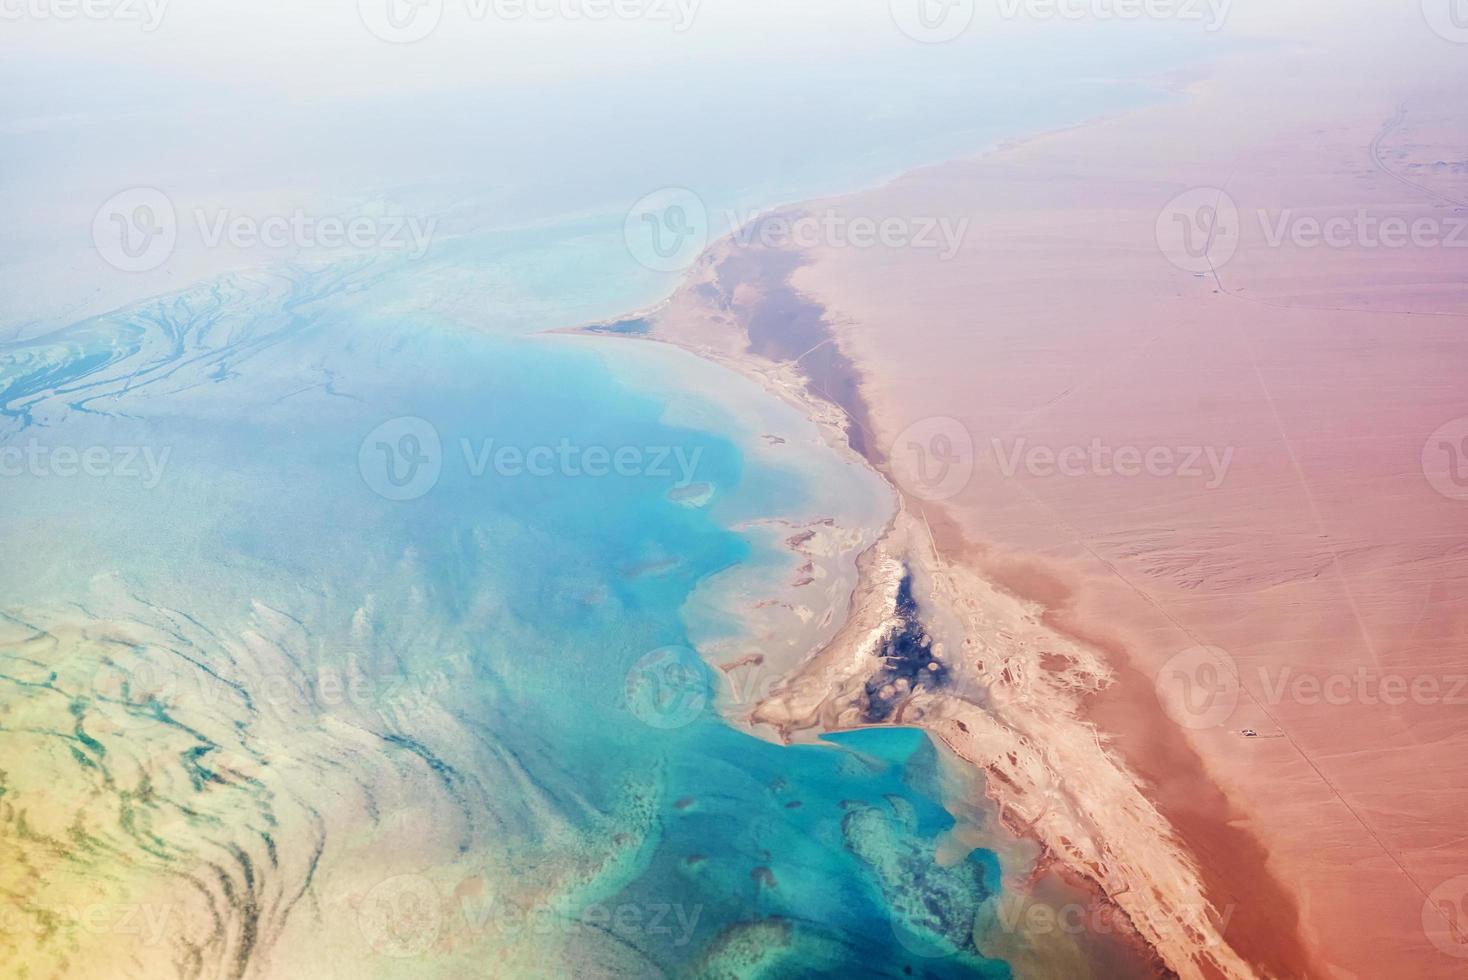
point(536, 597)
point(508, 724)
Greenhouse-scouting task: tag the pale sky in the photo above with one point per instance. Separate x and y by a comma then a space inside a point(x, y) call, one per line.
point(323, 45)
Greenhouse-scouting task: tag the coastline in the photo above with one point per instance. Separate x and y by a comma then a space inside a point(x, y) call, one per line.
point(1032, 708)
point(802, 658)
point(1281, 859)
point(1075, 596)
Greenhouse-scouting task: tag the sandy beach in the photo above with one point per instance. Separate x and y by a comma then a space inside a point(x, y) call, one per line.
point(1190, 537)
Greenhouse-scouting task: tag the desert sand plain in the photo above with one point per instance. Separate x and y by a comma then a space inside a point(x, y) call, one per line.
point(1176, 431)
point(1324, 550)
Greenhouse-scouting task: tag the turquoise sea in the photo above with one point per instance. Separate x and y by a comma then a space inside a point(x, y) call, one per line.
point(295, 658)
point(499, 621)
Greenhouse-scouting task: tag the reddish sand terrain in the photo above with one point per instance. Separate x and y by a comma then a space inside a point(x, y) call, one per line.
point(1312, 755)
